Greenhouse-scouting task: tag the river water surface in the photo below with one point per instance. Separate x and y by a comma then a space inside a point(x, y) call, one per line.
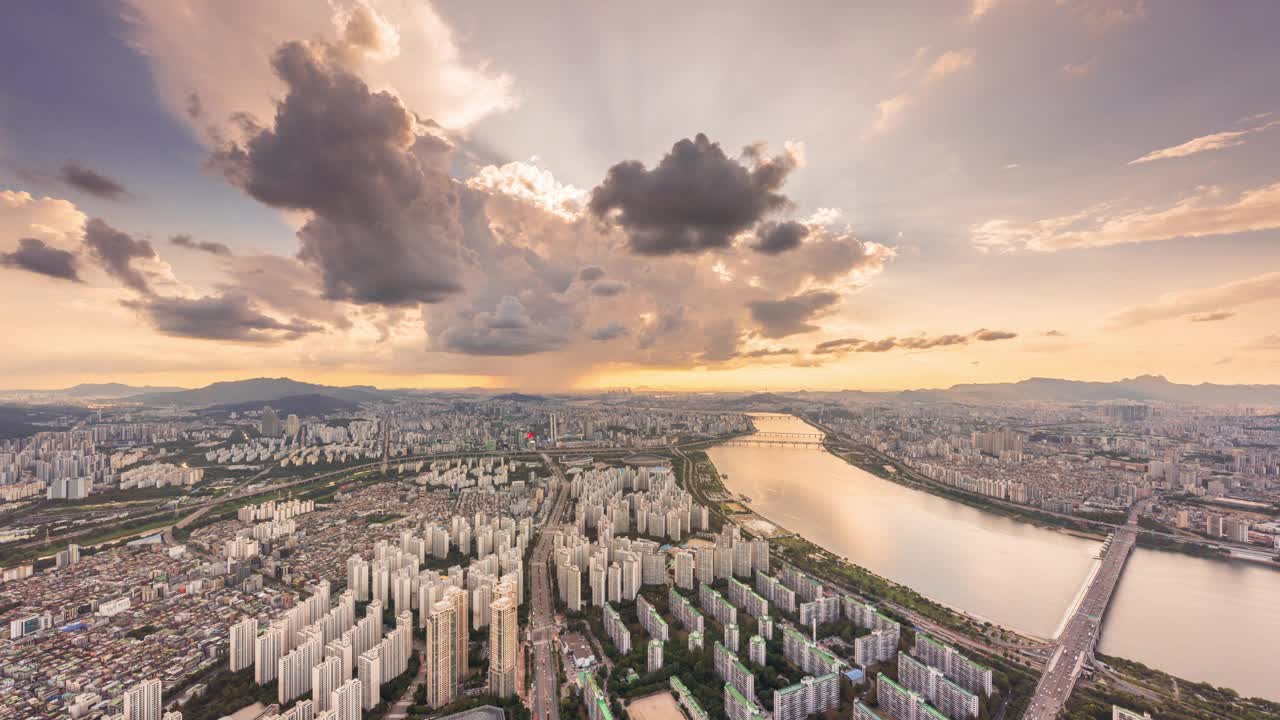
point(1199, 619)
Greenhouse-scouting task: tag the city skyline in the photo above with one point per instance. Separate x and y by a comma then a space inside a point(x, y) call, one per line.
point(459, 195)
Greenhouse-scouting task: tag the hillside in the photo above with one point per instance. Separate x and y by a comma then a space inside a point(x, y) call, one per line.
point(300, 405)
point(257, 390)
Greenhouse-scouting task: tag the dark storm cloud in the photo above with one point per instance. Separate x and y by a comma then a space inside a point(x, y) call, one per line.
point(1211, 316)
point(695, 199)
point(916, 342)
point(836, 346)
point(790, 316)
point(770, 352)
point(384, 227)
point(668, 322)
point(213, 248)
point(35, 256)
point(508, 330)
point(229, 316)
point(609, 288)
point(591, 273)
point(722, 339)
point(116, 251)
point(611, 331)
point(95, 183)
point(775, 238)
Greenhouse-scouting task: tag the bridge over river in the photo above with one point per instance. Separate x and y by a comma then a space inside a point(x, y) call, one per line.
point(1075, 646)
point(780, 439)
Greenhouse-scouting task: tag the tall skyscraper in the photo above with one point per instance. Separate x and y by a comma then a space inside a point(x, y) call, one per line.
point(325, 679)
point(370, 672)
point(266, 657)
point(243, 636)
point(503, 648)
point(347, 701)
point(143, 701)
point(442, 657)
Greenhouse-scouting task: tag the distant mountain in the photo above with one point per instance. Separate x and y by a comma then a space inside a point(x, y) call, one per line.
point(112, 390)
point(22, 420)
point(258, 390)
point(300, 405)
point(1145, 388)
point(519, 397)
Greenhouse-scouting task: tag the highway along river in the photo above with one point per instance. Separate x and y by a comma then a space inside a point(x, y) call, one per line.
point(1200, 619)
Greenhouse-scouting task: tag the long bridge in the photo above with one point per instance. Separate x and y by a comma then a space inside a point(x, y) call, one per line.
point(1076, 645)
point(779, 439)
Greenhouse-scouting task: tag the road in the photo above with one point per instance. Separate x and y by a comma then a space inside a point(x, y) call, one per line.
point(1076, 644)
point(542, 630)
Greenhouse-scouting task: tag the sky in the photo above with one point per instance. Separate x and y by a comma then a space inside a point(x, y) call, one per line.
point(693, 196)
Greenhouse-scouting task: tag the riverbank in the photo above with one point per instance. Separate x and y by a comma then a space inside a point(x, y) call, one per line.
point(707, 487)
point(887, 468)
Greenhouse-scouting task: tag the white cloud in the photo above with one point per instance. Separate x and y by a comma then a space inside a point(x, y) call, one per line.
point(1081, 69)
point(891, 111)
point(979, 8)
point(1199, 302)
point(58, 222)
point(532, 184)
point(950, 63)
point(218, 51)
point(1204, 143)
point(1199, 215)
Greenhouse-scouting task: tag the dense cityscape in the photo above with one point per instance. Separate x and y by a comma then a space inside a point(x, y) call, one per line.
point(375, 559)
point(579, 360)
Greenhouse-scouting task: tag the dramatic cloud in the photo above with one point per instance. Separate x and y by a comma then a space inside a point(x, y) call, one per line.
point(608, 288)
point(1205, 143)
point(775, 238)
point(591, 273)
point(612, 331)
point(506, 330)
point(916, 342)
point(1197, 216)
point(402, 45)
point(534, 185)
point(116, 251)
point(213, 248)
point(1211, 317)
point(33, 255)
point(384, 228)
point(695, 199)
point(1215, 300)
point(229, 316)
point(791, 316)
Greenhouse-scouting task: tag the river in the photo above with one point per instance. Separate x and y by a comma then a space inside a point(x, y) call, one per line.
point(1178, 613)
